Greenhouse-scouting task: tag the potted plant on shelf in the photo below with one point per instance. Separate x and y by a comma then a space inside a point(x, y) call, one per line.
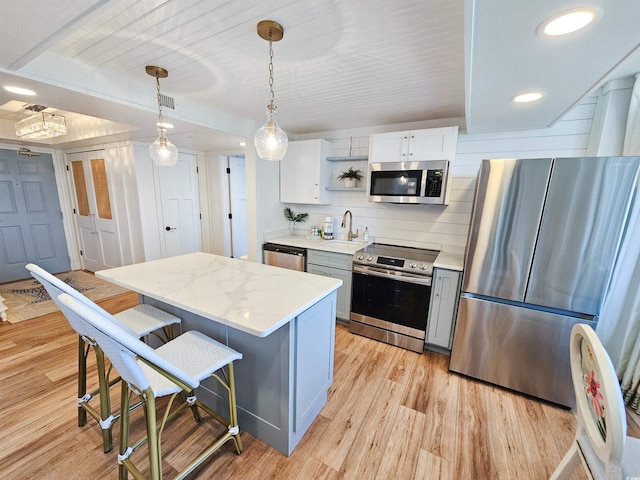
point(294, 219)
point(350, 177)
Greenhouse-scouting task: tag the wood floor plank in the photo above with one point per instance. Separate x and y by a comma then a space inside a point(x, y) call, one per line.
point(438, 392)
point(346, 421)
point(368, 446)
point(400, 458)
point(316, 470)
point(508, 453)
point(433, 466)
point(401, 368)
point(473, 450)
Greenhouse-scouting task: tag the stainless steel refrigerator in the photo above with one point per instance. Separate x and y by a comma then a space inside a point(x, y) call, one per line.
point(543, 238)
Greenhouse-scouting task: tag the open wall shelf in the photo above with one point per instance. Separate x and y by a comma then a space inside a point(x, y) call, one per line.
point(353, 158)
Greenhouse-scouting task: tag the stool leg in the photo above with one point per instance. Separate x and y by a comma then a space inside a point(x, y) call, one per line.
point(155, 458)
point(82, 380)
point(125, 405)
point(233, 413)
point(105, 400)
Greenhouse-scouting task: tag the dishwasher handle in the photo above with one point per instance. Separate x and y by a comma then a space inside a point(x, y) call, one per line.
point(286, 249)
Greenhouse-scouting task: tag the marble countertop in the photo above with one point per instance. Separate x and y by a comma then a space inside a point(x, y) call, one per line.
point(251, 297)
point(450, 261)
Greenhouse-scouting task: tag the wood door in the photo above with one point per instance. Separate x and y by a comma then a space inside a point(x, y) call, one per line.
point(93, 215)
point(31, 228)
point(238, 202)
point(178, 185)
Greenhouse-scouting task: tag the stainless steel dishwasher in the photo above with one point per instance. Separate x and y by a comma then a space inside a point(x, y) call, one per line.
point(284, 256)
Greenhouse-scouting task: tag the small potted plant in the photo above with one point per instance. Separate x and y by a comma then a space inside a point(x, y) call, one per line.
point(350, 177)
point(294, 219)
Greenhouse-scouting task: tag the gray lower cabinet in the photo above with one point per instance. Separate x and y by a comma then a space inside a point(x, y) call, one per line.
point(445, 293)
point(335, 265)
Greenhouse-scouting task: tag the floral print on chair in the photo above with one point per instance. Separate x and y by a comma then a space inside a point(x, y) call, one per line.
point(592, 388)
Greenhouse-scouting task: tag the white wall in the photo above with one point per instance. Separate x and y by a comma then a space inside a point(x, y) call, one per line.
point(440, 227)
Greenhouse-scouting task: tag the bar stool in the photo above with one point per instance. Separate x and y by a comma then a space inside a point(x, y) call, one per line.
point(174, 369)
point(141, 320)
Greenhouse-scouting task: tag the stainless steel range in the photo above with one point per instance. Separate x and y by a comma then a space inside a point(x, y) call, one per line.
point(391, 293)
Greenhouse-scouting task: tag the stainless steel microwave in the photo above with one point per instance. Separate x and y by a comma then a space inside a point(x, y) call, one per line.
point(408, 182)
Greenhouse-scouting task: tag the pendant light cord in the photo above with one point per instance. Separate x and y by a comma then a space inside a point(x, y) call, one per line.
point(271, 105)
point(160, 119)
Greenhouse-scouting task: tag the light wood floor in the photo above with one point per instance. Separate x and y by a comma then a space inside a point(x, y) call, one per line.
point(391, 414)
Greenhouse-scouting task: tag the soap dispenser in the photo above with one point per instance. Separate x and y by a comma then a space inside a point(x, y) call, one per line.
point(328, 228)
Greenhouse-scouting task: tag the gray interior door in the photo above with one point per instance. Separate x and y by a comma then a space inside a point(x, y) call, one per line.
point(31, 228)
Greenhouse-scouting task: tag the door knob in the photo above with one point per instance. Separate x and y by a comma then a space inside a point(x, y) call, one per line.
point(169, 229)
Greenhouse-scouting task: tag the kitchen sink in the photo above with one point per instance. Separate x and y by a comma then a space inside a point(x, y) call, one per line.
point(343, 245)
point(339, 243)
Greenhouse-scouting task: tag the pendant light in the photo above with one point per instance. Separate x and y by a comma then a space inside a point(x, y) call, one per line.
point(270, 140)
point(162, 151)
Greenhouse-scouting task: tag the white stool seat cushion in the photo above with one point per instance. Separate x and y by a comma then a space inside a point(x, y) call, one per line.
point(192, 352)
point(144, 319)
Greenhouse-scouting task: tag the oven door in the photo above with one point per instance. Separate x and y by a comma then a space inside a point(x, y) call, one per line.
point(398, 302)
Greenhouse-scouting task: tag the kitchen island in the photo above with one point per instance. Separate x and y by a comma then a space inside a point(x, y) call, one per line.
point(282, 321)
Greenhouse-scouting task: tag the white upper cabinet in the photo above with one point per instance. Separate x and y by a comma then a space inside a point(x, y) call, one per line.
point(414, 145)
point(305, 173)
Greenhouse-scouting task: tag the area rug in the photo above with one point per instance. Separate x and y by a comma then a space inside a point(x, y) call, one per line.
point(28, 299)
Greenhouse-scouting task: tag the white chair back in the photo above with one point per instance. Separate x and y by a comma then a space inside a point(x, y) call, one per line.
point(119, 345)
point(602, 423)
point(55, 287)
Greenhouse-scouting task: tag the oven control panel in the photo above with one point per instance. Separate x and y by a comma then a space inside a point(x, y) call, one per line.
point(395, 263)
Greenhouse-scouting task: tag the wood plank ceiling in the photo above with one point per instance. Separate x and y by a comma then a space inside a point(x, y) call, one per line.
point(341, 64)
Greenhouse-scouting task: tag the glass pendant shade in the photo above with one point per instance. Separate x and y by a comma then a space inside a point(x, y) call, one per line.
point(163, 152)
point(270, 140)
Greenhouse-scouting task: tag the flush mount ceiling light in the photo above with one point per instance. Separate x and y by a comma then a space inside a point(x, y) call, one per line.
point(270, 140)
point(162, 151)
point(567, 22)
point(527, 97)
point(41, 126)
point(19, 90)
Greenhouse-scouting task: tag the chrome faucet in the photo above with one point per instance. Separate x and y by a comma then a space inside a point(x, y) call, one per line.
point(350, 234)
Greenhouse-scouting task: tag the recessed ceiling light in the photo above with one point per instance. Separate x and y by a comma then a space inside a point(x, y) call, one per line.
point(164, 125)
point(19, 90)
point(527, 97)
point(568, 22)
point(242, 144)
